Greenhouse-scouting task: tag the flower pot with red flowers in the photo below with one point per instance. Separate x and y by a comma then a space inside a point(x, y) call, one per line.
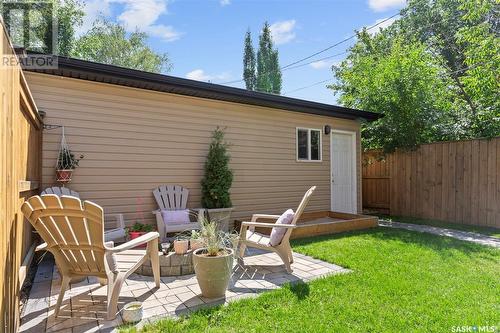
point(139, 229)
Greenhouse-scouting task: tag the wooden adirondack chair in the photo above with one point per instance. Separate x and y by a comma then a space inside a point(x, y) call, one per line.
point(114, 224)
point(248, 236)
point(74, 234)
point(174, 197)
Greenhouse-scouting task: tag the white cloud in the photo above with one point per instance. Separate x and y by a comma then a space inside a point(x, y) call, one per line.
point(225, 2)
point(381, 5)
point(93, 9)
point(282, 31)
point(200, 75)
point(320, 64)
point(384, 25)
point(137, 14)
point(143, 14)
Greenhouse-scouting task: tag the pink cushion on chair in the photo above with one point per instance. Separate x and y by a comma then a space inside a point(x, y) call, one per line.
point(175, 216)
point(278, 233)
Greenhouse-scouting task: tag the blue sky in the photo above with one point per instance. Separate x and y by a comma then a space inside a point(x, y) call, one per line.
point(204, 38)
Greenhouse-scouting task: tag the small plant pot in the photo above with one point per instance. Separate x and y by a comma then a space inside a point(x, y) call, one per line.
point(221, 216)
point(213, 273)
point(137, 234)
point(132, 312)
point(181, 246)
point(195, 244)
point(64, 175)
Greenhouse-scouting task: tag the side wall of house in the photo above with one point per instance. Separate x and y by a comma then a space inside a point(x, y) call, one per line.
point(134, 140)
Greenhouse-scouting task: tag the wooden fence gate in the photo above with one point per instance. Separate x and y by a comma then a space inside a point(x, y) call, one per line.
point(451, 181)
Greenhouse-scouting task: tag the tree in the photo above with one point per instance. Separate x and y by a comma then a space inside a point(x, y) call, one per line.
point(108, 43)
point(218, 178)
point(249, 63)
point(479, 39)
point(457, 83)
point(403, 85)
point(68, 14)
point(268, 69)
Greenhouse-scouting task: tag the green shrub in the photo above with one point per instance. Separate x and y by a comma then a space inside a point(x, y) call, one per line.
point(218, 178)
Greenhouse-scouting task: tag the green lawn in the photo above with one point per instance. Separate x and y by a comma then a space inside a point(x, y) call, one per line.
point(401, 282)
point(490, 231)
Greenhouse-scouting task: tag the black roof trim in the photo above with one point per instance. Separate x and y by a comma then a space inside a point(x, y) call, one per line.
point(86, 70)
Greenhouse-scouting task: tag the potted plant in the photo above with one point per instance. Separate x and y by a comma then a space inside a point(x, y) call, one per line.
point(139, 229)
point(213, 263)
point(66, 163)
point(195, 241)
point(181, 246)
point(217, 181)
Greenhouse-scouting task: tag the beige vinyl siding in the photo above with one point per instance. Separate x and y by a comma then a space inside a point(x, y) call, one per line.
point(134, 140)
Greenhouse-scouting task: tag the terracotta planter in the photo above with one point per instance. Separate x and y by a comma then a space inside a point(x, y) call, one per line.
point(64, 176)
point(181, 246)
point(221, 216)
point(213, 273)
point(136, 234)
point(195, 244)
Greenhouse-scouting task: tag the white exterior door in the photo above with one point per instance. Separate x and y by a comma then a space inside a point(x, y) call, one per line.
point(343, 172)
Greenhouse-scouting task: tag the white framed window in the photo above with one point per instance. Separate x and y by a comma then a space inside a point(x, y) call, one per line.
point(309, 144)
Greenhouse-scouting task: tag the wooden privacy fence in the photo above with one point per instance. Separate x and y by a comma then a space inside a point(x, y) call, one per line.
point(20, 171)
point(450, 181)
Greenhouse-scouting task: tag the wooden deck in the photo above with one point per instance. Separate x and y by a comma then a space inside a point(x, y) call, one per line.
point(324, 223)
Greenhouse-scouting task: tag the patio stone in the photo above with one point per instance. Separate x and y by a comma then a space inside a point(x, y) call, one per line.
point(458, 234)
point(84, 305)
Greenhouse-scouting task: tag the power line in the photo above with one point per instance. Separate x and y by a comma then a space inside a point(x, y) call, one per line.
point(320, 51)
point(442, 76)
point(317, 60)
point(342, 41)
point(297, 65)
point(308, 86)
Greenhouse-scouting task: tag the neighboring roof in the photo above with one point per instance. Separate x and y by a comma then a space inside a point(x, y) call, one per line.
point(91, 71)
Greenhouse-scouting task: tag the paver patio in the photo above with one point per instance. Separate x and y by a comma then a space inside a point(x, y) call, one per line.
point(473, 237)
point(84, 306)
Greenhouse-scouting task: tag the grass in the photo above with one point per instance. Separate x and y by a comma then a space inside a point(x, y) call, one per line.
point(402, 281)
point(490, 231)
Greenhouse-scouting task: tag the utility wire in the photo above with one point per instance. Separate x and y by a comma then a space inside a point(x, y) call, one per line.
point(342, 41)
point(321, 51)
point(297, 65)
point(442, 76)
point(308, 86)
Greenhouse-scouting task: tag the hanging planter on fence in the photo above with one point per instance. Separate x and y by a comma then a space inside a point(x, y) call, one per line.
point(66, 162)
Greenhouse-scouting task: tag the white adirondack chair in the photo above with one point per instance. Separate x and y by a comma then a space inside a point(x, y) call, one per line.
point(114, 224)
point(249, 237)
point(174, 197)
point(74, 234)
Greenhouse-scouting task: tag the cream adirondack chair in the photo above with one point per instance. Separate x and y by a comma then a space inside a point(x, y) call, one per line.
point(249, 237)
point(114, 224)
point(74, 234)
point(174, 197)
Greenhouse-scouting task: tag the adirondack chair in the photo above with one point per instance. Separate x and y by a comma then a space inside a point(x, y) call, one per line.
point(174, 197)
point(249, 237)
point(114, 224)
point(74, 234)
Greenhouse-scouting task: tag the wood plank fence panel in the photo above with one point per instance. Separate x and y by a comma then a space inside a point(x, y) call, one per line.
point(450, 181)
point(20, 162)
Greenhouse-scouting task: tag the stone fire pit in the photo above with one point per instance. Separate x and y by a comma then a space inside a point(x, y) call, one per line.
point(171, 264)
